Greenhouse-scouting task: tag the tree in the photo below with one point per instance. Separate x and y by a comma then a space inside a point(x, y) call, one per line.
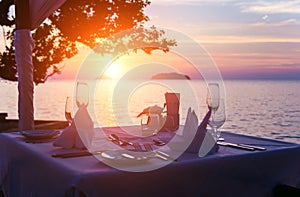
point(89, 22)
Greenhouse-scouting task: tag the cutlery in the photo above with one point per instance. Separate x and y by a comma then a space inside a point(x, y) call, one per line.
point(148, 147)
point(127, 142)
point(129, 156)
point(158, 142)
point(108, 156)
point(246, 145)
point(160, 156)
point(165, 155)
point(115, 138)
point(30, 141)
point(77, 154)
point(233, 145)
point(255, 147)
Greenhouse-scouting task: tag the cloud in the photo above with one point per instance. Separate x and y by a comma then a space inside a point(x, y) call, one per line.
point(278, 24)
point(265, 17)
point(245, 39)
point(190, 2)
point(246, 6)
point(271, 7)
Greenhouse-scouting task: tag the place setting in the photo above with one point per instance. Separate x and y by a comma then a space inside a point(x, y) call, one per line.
point(162, 136)
point(38, 136)
point(114, 145)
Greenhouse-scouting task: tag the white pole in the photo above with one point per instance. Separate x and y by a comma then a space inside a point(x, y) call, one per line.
point(24, 45)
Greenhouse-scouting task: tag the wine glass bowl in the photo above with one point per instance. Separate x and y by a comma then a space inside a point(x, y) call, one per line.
point(69, 109)
point(213, 96)
point(82, 99)
point(82, 94)
point(217, 105)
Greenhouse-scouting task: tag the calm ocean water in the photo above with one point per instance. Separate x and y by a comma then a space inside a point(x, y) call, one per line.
point(269, 109)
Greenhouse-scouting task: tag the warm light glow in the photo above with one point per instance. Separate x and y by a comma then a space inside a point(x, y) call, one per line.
point(114, 71)
point(244, 39)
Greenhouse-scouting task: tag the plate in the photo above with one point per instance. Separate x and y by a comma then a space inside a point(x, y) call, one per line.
point(125, 156)
point(40, 134)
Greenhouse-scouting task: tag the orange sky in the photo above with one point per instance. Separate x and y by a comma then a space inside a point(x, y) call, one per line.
point(246, 39)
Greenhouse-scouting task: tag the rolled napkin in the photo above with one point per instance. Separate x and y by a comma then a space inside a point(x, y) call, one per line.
point(79, 134)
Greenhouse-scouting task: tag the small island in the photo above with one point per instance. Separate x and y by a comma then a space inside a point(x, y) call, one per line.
point(172, 75)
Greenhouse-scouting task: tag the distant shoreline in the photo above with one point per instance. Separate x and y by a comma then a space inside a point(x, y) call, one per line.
point(172, 76)
point(3, 81)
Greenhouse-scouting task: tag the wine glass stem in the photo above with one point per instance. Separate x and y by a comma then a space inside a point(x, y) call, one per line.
point(215, 134)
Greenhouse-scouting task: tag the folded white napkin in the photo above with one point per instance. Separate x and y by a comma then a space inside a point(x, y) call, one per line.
point(187, 119)
point(191, 125)
point(79, 134)
point(195, 138)
point(182, 140)
point(208, 146)
point(204, 142)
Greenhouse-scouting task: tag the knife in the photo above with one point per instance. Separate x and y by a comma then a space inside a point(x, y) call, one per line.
point(77, 154)
point(165, 155)
point(113, 137)
point(236, 146)
point(255, 147)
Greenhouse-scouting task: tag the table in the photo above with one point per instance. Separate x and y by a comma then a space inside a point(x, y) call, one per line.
point(28, 169)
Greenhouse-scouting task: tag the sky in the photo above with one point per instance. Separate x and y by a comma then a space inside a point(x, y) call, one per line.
point(247, 39)
point(250, 39)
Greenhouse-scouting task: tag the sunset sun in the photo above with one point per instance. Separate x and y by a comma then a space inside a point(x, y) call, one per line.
point(114, 70)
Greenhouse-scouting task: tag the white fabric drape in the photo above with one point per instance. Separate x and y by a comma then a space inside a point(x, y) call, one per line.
point(24, 45)
point(41, 9)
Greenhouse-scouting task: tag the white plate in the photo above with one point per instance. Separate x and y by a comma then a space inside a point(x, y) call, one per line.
point(40, 134)
point(125, 156)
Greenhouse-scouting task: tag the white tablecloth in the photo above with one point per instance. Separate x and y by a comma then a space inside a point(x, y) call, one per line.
point(28, 169)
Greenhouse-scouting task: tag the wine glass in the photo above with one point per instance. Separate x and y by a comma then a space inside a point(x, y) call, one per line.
point(82, 94)
point(69, 109)
point(82, 99)
point(217, 119)
point(213, 96)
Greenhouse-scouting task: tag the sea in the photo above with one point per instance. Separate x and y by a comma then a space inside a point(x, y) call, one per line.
point(262, 108)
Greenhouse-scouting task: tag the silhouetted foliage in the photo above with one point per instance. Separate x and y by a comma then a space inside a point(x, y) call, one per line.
point(91, 22)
